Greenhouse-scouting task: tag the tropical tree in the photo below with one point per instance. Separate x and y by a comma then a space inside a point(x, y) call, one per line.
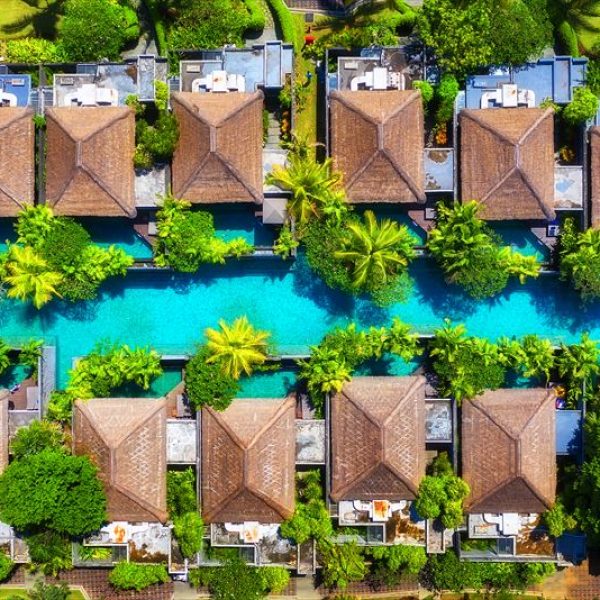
point(29, 355)
point(29, 277)
point(376, 251)
point(577, 24)
point(237, 347)
point(342, 564)
point(578, 364)
point(579, 254)
point(315, 187)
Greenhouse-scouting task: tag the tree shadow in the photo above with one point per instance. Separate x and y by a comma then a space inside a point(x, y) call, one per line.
point(44, 21)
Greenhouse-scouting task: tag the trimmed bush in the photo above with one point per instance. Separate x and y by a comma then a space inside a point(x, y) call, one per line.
point(286, 22)
point(6, 566)
point(134, 576)
point(256, 21)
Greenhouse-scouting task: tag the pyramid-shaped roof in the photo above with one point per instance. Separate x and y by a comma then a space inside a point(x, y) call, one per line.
point(377, 140)
point(219, 154)
point(378, 439)
point(248, 461)
point(17, 163)
point(126, 439)
point(508, 450)
point(89, 162)
point(507, 162)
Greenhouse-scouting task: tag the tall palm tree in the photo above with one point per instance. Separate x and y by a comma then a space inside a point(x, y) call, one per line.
point(30, 277)
point(376, 251)
point(314, 186)
point(237, 347)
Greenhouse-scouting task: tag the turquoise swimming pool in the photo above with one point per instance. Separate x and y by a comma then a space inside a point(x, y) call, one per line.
point(170, 311)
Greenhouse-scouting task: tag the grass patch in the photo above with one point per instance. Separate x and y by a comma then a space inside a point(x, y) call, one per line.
point(18, 20)
point(6, 592)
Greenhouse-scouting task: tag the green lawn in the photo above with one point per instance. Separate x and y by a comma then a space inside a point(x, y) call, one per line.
point(7, 592)
point(16, 19)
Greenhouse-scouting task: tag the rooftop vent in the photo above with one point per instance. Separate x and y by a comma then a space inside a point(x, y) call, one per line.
point(508, 96)
point(219, 82)
point(90, 94)
point(378, 79)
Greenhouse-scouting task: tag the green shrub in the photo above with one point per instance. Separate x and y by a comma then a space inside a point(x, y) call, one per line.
point(49, 591)
point(6, 566)
point(50, 552)
point(32, 51)
point(579, 259)
point(470, 253)
point(188, 530)
point(93, 29)
point(159, 139)
point(285, 20)
point(181, 492)
point(186, 238)
point(342, 564)
point(558, 520)
point(134, 576)
point(52, 490)
point(207, 384)
point(234, 579)
point(446, 93)
point(256, 21)
point(426, 90)
point(274, 579)
point(400, 558)
point(36, 437)
point(208, 24)
point(582, 108)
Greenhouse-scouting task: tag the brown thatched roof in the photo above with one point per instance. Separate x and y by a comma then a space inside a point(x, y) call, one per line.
point(248, 461)
point(508, 450)
point(595, 175)
point(377, 140)
point(126, 438)
point(4, 435)
point(219, 155)
point(378, 439)
point(17, 164)
point(507, 162)
point(89, 162)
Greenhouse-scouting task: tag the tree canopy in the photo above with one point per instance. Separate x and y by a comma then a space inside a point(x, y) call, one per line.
point(52, 490)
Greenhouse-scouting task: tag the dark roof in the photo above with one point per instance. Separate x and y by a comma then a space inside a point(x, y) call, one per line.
point(378, 439)
point(377, 140)
point(248, 461)
point(508, 450)
point(507, 162)
point(219, 154)
point(126, 438)
point(17, 163)
point(89, 162)
point(595, 175)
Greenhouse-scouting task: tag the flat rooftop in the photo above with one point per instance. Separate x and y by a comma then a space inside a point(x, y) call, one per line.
point(134, 77)
point(553, 78)
point(18, 86)
point(402, 60)
point(262, 66)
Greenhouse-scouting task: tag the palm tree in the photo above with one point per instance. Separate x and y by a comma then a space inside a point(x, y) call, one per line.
point(458, 233)
point(577, 24)
point(448, 340)
point(237, 347)
point(314, 186)
point(30, 278)
point(376, 251)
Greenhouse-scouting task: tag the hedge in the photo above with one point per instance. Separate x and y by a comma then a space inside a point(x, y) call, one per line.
point(256, 22)
point(286, 22)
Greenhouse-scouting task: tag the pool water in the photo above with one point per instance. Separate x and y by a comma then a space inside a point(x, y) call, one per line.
point(107, 232)
point(170, 311)
point(520, 238)
point(238, 220)
point(7, 232)
point(268, 384)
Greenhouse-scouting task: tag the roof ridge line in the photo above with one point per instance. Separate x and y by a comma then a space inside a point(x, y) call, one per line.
point(408, 180)
point(102, 184)
point(194, 110)
point(227, 164)
point(137, 500)
point(160, 405)
point(16, 117)
point(493, 419)
point(417, 383)
point(276, 415)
